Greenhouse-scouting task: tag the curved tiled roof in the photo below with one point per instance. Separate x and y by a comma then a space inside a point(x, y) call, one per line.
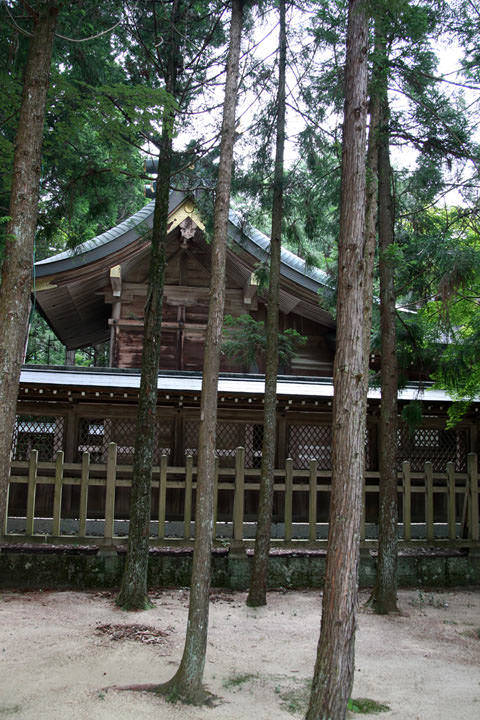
point(107, 242)
point(130, 223)
point(248, 237)
point(292, 266)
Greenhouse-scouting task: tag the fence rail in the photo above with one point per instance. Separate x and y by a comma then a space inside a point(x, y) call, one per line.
point(434, 507)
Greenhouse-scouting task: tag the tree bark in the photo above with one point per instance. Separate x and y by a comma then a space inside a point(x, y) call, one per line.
point(371, 213)
point(334, 667)
point(186, 684)
point(258, 585)
point(16, 283)
point(134, 591)
point(384, 599)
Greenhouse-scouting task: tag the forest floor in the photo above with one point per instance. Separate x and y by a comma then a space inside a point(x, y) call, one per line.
point(61, 653)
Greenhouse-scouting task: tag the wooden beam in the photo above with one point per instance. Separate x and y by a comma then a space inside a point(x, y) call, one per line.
point(250, 289)
point(127, 322)
point(116, 280)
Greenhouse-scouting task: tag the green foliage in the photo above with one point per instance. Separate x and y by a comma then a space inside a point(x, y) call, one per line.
point(393, 255)
point(295, 699)
point(44, 348)
point(365, 706)
point(238, 679)
point(244, 341)
point(85, 161)
point(423, 599)
point(441, 269)
point(412, 414)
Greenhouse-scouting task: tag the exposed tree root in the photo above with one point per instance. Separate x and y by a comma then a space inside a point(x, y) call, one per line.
point(255, 600)
point(381, 607)
point(172, 694)
point(135, 604)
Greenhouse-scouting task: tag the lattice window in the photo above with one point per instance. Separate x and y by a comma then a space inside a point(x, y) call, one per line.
point(190, 434)
point(314, 442)
point(230, 436)
point(95, 435)
point(253, 445)
point(37, 432)
point(310, 442)
point(433, 445)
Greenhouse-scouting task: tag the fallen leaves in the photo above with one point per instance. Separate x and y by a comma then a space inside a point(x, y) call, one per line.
point(141, 633)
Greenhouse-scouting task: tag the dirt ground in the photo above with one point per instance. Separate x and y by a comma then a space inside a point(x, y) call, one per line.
point(59, 652)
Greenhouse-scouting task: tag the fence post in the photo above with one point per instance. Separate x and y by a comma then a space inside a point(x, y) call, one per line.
point(82, 525)
point(110, 490)
point(364, 509)
point(288, 498)
point(215, 499)
point(429, 500)
point(187, 513)
point(312, 501)
point(162, 496)
point(451, 504)
point(32, 481)
point(239, 495)
point(57, 497)
point(4, 528)
point(473, 478)
point(407, 501)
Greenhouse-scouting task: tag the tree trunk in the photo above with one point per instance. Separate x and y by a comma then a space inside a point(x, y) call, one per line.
point(187, 681)
point(258, 584)
point(384, 598)
point(133, 591)
point(333, 675)
point(16, 283)
point(371, 211)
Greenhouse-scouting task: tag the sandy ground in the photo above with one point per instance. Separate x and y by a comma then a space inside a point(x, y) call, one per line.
point(55, 663)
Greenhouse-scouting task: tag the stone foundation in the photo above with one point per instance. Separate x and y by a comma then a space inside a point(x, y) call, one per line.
point(31, 567)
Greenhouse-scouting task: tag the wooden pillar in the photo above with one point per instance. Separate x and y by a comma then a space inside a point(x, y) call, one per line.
point(187, 513)
point(110, 492)
point(429, 500)
point(70, 435)
point(239, 495)
point(312, 504)
point(162, 497)
point(32, 484)
point(451, 503)
point(69, 448)
point(82, 525)
point(114, 330)
point(288, 498)
point(473, 482)
point(178, 456)
point(407, 501)
point(473, 439)
point(57, 498)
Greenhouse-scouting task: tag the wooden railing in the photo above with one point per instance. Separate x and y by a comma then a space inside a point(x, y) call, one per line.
point(449, 513)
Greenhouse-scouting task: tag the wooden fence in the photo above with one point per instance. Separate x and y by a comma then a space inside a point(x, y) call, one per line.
point(434, 508)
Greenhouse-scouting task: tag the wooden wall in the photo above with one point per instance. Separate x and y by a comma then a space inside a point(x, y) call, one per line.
point(185, 312)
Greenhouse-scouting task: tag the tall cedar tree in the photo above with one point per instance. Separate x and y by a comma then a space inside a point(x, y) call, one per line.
point(16, 283)
point(334, 667)
point(384, 599)
point(371, 204)
point(133, 592)
point(258, 584)
point(187, 681)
